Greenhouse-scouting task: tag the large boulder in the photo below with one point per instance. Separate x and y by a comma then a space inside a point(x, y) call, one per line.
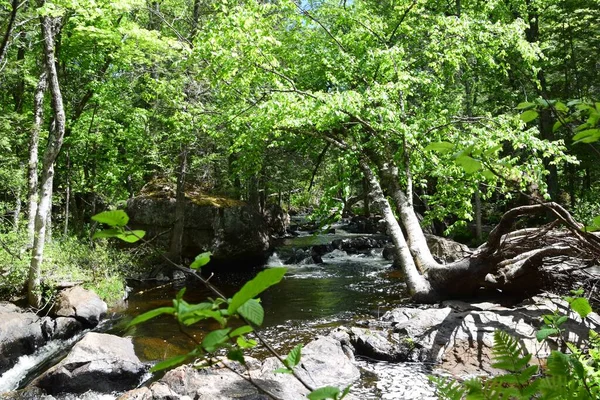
point(442, 249)
point(446, 250)
point(324, 363)
point(21, 333)
point(459, 336)
point(80, 304)
point(100, 362)
point(230, 229)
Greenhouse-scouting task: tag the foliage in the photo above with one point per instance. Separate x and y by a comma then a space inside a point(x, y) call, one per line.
point(571, 375)
point(98, 267)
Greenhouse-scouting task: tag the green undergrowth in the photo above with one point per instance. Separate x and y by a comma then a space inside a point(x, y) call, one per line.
point(96, 266)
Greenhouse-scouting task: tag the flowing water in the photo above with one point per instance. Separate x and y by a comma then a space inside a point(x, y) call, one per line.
point(311, 299)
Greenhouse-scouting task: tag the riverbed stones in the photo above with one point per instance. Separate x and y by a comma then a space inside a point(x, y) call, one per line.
point(81, 304)
point(323, 363)
point(21, 333)
point(100, 362)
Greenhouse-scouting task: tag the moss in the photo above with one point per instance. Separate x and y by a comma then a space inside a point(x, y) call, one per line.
point(161, 188)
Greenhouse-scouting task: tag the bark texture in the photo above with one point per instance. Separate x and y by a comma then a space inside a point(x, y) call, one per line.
point(55, 141)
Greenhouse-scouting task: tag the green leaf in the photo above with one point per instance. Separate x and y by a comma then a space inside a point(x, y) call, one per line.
point(242, 330)
point(469, 164)
point(346, 391)
point(236, 355)
point(107, 233)
point(282, 371)
point(588, 133)
point(169, 363)
point(245, 344)
point(558, 363)
point(293, 358)
point(151, 314)
point(543, 334)
point(260, 283)
point(529, 115)
point(252, 311)
point(441, 147)
point(112, 218)
point(561, 320)
point(557, 125)
point(327, 392)
point(214, 339)
point(560, 106)
point(525, 105)
point(201, 260)
point(191, 317)
point(131, 236)
point(596, 221)
point(581, 306)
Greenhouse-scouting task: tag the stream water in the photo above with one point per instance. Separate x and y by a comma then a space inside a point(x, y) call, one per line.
point(311, 299)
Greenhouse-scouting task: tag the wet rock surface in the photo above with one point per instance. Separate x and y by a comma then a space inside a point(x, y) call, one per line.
point(21, 333)
point(99, 362)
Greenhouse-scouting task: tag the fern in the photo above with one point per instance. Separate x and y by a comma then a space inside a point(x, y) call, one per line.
point(448, 389)
point(508, 353)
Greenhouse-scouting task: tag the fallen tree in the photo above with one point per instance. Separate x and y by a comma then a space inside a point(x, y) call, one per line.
point(507, 260)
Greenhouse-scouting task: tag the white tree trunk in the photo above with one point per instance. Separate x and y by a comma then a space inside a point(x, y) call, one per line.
point(416, 238)
point(32, 172)
point(55, 141)
point(416, 283)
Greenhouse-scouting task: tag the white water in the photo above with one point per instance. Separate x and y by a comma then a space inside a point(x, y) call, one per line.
point(11, 379)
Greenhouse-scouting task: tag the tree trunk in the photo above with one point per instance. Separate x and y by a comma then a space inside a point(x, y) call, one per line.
point(67, 196)
point(11, 22)
point(416, 283)
point(478, 224)
point(55, 141)
point(32, 172)
point(416, 238)
point(177, 238)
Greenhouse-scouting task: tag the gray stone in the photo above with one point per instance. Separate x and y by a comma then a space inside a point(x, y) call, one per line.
point(230, 229)
point(99, 362)
point(446, 250)
point(81, 304)
point(460, 335)
point(323, 363)
point(21, 333)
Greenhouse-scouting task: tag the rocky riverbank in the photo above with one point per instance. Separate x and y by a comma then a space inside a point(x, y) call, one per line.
point(456, 337)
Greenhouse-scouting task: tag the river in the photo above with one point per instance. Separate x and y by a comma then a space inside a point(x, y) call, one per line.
point(344, 289)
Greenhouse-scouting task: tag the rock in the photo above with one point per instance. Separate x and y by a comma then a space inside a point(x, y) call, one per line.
point(230, 229)
point(99, 362)
point(278, 221)
point(62, 327)
point(362, 224)
point(359, 244)
point(443, 250)
point(21, 333)
point(446, 250)
point(81, 304)
point(388, 252)
point(323, 363)
point(374, 344)
point(460, 335)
